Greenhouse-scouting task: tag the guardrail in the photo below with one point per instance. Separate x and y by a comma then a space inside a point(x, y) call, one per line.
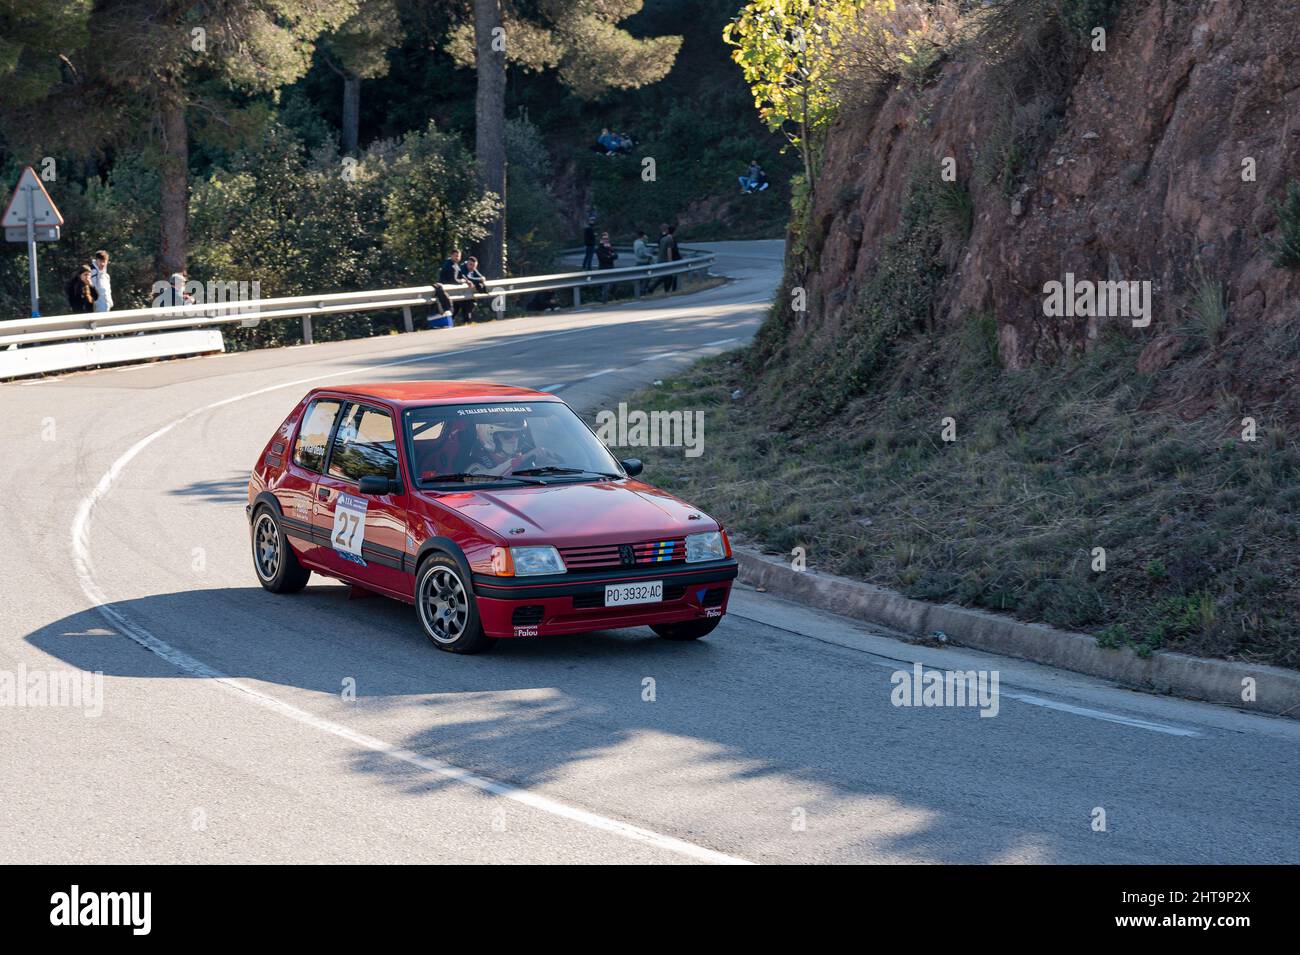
point(64, 342)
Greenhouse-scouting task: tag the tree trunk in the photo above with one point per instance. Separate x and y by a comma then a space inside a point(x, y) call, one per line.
point(174, 193)
point(351, 113)
point(490, 127)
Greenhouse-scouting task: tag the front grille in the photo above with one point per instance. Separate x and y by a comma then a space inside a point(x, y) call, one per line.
point(597, 597)
point(527, 616)
point(671, 551)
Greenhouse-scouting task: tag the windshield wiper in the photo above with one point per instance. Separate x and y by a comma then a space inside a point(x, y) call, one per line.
point(466, 476)
point(553, 469)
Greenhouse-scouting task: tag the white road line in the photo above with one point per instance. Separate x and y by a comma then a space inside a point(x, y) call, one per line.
point(890, 663)
point(613, 371)
point(1103, 715)
point(178, 658)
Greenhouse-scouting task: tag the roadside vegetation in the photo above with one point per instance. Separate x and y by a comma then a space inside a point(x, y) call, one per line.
point(1070, 493)
point(226, 153)
point(1201, 529)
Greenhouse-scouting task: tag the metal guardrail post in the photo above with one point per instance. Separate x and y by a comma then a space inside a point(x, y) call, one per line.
point(577, 296)
point(406, 318)
point(306, 329)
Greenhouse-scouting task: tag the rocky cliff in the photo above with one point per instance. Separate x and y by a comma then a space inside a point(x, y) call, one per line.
point(1159, 159)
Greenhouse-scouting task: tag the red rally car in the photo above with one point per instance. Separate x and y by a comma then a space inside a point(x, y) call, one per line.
point(495, 510)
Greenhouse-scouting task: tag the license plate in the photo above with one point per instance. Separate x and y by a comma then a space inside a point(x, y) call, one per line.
point(643, 592)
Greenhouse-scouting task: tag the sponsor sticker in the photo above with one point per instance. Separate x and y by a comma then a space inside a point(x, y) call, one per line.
point(713, 611)
point(525, 631)
point(496, 409)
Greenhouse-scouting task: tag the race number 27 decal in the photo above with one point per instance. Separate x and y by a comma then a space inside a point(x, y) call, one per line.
point(349, 531)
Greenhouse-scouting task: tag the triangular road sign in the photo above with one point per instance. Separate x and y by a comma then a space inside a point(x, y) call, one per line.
point(43, 209)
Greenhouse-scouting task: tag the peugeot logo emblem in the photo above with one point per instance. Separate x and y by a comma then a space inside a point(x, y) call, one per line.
point(627, 555)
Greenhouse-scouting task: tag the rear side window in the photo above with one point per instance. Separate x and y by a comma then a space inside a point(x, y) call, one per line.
point(314, 435)
point(364, 446)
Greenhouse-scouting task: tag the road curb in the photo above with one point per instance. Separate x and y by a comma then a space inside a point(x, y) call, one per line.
point(1217, 681)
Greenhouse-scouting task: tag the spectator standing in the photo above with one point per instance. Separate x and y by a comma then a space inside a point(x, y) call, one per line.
point(103, 284)
point(81, 293)
point(674, 255)
point(662, 254)
point(643, 255)
point(606, 256)
point(589, 242)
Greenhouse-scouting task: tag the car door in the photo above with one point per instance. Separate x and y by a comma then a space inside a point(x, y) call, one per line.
point(366, 534)
point(296, 491)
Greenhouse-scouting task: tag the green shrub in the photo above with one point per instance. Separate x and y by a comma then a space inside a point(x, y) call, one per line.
point(1285, 247)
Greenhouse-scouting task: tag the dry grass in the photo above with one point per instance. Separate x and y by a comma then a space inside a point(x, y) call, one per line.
point(1201, 529)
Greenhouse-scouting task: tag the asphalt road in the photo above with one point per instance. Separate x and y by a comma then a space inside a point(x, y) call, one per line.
point(227, 732)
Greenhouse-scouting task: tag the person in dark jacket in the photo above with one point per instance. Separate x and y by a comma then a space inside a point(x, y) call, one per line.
point(470, 274)
point(666, 253)
point(450, 272)
point(606, 256)
point(589, 242)
point(81, 293)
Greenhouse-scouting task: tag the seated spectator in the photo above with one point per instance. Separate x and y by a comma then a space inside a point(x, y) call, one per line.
point(450, 271)
point(754, 180)
point(175, 293)
point(470, 274)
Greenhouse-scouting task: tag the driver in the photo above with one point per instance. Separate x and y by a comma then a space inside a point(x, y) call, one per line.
point(504, 446)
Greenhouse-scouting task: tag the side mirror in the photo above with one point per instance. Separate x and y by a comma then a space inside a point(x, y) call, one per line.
point(376, 485)
point(632, 466)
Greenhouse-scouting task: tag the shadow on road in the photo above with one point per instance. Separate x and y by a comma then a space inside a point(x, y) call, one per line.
point(743, 724)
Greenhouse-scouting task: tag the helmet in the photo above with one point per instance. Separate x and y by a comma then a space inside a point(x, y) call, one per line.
point(511, 425)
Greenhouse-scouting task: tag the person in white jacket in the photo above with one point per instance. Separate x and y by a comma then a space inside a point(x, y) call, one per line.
point(103, 284)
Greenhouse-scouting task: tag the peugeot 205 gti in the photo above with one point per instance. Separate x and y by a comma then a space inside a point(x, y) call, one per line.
point(495, 510)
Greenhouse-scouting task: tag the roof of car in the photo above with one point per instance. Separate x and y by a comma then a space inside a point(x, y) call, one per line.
point(437, 392)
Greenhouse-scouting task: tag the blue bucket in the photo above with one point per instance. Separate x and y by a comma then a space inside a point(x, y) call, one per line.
point(440, 321)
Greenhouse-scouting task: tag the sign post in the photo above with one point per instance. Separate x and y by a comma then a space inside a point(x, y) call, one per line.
point(31, 217)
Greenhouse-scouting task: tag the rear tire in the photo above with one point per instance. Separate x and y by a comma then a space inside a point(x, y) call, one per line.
point(688, 630)
point(446, 607)
point(276, 564)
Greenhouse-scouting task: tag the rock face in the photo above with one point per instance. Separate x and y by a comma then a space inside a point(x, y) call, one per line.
point(1175, 145)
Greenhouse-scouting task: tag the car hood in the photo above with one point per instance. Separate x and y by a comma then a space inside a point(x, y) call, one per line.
point(574, 514)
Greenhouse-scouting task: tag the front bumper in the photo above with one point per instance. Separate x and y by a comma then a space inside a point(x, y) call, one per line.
point(575, 603)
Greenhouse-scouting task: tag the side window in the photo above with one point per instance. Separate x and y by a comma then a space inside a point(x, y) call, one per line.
point(365, 445)
point(314, 435)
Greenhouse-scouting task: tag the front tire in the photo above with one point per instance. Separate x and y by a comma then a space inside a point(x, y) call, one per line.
point(447, 609)
point(276, 564)
point(688, 630)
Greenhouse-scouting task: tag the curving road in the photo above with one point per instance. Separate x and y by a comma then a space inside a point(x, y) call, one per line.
point(228, 734)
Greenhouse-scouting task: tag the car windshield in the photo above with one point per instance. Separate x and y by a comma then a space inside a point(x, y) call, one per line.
point(505, 443)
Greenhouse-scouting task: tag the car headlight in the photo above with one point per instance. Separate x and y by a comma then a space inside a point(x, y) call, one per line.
point(704, 547)
point(529, 561)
